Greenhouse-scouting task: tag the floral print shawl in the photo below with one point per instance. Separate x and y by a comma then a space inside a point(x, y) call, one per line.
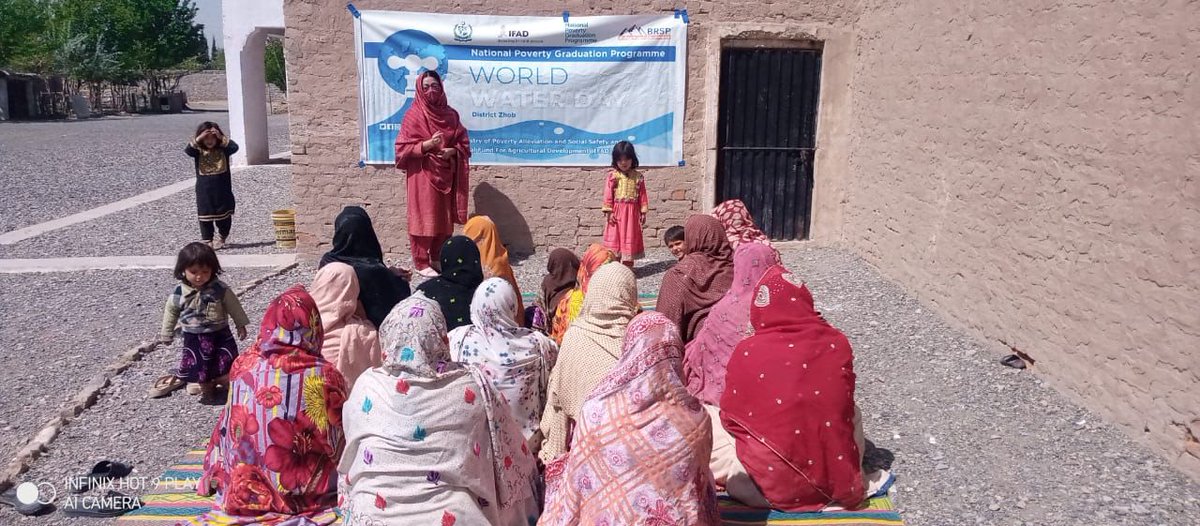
point(272, 456)
point(643, 443)
point(429, 441)
point(516, 360)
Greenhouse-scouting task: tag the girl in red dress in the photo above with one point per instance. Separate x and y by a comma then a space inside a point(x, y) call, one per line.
point(625, 205)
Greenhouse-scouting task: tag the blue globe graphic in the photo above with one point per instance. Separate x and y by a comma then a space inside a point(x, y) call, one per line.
point(401, 44)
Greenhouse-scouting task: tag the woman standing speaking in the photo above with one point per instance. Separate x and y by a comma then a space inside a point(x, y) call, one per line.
point(433, 150)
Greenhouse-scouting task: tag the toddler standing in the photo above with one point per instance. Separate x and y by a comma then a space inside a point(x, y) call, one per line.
point(200, 306)
point(211, 149)
point(625, 205)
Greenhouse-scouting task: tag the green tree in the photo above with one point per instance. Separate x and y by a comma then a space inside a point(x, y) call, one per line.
point(218, 61)
point(22, 24)
point(276, 71)
point(151, 37)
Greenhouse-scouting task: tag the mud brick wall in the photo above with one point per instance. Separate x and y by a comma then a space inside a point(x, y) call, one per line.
point(535, 208)
point(1030, 169)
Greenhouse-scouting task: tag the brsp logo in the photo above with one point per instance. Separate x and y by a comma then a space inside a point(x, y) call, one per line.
point(637, 32)
point(462, 32)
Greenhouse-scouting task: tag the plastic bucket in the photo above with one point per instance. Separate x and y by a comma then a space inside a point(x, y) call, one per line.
point(285, 228)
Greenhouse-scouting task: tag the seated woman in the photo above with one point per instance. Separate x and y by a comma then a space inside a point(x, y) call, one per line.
point(562, 267)
point(590, 349)
point(727, 325)
point(272, 457)
point(516, 360)
point(493, 256)
point(707, 357)
point(739, 225)
point(568, 308)
point(351, 340)
point(455, 286)
point(640, 454)
point(789, 404)
point(355, 244)
point(429, 441)
point(704, 274)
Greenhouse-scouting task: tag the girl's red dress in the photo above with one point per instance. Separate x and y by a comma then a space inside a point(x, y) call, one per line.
point(625, 196)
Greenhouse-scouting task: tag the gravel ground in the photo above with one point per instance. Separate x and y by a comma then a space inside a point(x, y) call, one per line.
point(976, 442)
point(55, 169)
point(973, 442)
point(124, 424)
point(162, 227)
point(105, 314)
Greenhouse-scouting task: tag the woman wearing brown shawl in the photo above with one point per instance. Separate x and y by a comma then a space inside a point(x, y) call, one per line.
point(434, 151)
point(561, 269)
point(700, 279)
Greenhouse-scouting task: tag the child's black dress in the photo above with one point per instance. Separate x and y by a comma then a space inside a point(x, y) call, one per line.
point(214, 185)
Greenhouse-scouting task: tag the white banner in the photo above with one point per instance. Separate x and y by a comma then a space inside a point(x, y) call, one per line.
point(530, 90)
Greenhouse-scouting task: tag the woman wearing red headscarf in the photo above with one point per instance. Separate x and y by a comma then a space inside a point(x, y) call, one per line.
point(434, 151)
point(789, 403)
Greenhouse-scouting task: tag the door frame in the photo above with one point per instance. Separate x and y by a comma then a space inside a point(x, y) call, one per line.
point(831, 164)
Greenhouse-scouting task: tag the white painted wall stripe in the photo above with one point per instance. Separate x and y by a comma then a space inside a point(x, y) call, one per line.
point(45, 265)
point(22, 234)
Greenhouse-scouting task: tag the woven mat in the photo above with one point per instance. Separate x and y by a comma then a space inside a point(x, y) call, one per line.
point(173, 499)
point(879, 511)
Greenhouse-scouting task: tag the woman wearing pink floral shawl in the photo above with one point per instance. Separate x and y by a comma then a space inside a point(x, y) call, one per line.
point(728, 323)
point(272, 457)
point(640, 452)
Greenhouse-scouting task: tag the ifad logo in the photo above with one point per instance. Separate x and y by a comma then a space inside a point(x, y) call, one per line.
point(462, 32)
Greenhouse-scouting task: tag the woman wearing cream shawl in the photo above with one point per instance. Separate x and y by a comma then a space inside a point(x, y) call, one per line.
point(640, 455)
point(590, 349)
point(351, 341)
point(429, 441)
point(595, 257)
point(516, 360)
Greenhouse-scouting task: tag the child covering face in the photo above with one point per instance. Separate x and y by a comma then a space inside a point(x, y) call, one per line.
point(210, 150)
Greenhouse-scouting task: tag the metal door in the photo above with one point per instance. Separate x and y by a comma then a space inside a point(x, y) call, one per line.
point(767, 135)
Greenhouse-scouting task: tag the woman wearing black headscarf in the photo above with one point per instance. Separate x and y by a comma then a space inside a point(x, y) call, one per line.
point(355, 244)
point(454, 288)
